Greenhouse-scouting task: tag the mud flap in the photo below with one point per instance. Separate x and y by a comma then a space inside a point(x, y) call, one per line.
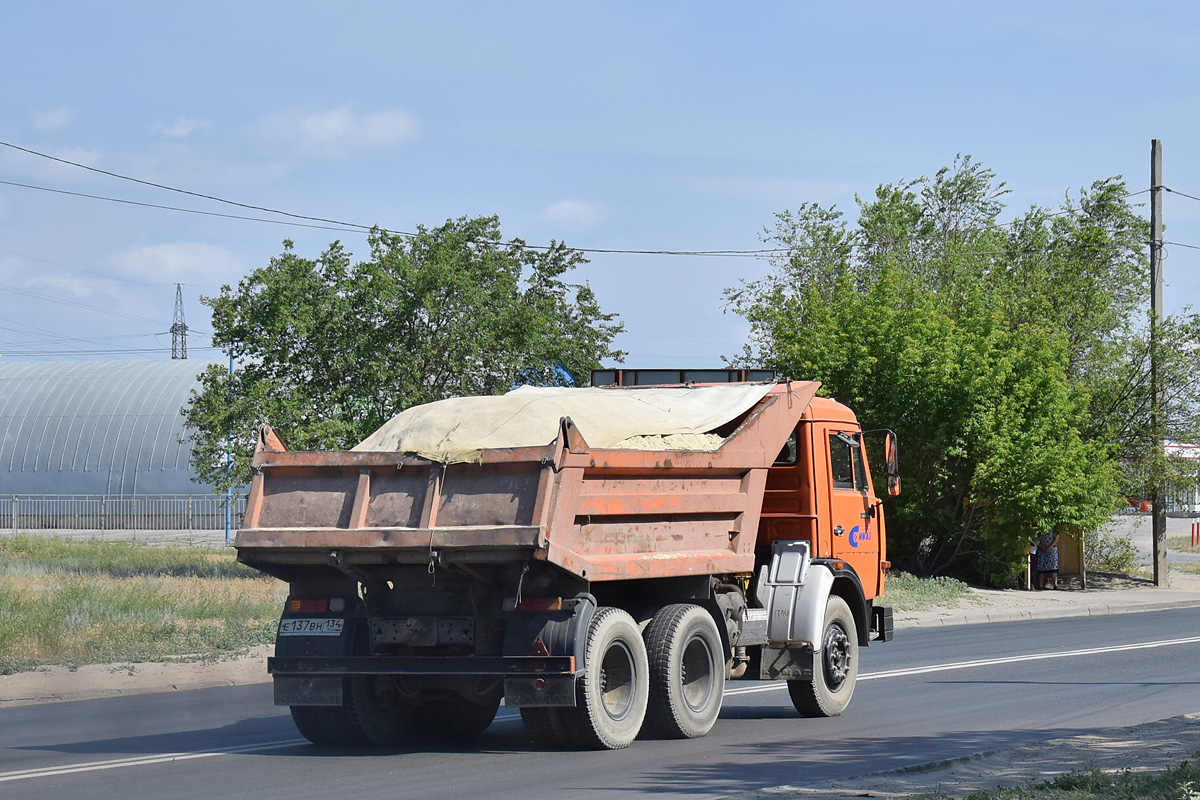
point(307, 691)
point(547, 633)
point(791, 664)
point(881, 623)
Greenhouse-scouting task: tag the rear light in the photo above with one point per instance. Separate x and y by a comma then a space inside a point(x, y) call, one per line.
point(541, 604)
point(308, 606)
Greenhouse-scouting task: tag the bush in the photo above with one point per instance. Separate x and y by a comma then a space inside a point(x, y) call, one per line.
point(1104, 552)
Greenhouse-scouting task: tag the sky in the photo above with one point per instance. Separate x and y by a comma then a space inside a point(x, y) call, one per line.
point(623, 125)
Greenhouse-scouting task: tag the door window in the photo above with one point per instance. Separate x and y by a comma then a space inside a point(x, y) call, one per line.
point(845, 458)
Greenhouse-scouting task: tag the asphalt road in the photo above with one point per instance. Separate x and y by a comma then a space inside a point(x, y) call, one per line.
point(931, 694)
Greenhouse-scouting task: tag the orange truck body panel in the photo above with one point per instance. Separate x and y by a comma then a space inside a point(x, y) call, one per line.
point(599, 514)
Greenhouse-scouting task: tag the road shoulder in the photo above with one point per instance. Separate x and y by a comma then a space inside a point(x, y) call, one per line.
point(60, 684)
point(1152, 747)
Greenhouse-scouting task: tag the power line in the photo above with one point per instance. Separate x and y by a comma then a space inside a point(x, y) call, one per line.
point(353, 227)
point(1181, 194)
point(177, 208)
point(128, 351)
point(744, 253)
point(98, 309)
point(179, 191)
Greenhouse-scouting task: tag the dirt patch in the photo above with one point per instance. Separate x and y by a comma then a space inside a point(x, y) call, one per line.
point(1152, 747)
point(59, 684)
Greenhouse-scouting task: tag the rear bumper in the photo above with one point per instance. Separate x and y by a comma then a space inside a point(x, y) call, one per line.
point(499, 666)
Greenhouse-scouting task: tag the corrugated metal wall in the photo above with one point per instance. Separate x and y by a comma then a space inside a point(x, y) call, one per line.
point(96, 427)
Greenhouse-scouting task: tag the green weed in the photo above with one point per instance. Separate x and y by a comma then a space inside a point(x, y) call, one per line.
point(75, 603)
point(905, 592)
point(1179, 783)
point(1181, 544)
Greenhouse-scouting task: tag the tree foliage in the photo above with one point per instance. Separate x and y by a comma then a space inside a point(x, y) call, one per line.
point(1011, 359)
point(328, 349)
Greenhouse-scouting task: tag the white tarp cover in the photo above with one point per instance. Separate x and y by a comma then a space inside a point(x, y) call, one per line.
point(456, 430)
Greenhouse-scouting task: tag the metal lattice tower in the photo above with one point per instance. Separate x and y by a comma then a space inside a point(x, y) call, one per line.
point(178, 326)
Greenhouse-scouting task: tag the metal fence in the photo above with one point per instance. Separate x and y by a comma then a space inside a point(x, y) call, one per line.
point(151, 512)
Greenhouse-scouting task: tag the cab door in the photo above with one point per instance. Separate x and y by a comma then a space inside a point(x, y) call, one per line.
point(853, 509)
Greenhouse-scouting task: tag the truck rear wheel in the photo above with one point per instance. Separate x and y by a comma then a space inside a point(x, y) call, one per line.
point(687, 672)
point(836, 670)
point(326, 725)
point(612, 690)
point(545, 726)
point(375, 711)
point(457, 717)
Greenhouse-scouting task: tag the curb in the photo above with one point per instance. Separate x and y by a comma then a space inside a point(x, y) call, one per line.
point(1096, 610)
point(101, 694)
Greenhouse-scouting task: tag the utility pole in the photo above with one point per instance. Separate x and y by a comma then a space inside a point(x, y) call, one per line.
point(179, 328)
point(1158, 499)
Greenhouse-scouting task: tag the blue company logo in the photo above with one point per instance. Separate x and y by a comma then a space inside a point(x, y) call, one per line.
point(856, 537)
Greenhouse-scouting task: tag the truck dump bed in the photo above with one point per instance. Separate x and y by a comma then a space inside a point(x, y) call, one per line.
point(600, 513)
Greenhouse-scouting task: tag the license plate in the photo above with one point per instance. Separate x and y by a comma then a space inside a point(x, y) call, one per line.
point(311, 627)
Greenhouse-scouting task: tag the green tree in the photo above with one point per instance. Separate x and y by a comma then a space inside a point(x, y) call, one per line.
point(328, 349)
point(1010, 358)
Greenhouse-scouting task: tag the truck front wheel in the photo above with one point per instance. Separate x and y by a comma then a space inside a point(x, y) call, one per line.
point(611, 691)
point(687, 672)
point(836, 670)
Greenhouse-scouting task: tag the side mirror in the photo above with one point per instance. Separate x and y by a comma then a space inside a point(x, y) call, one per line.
point(890, 459)
point(893, 465)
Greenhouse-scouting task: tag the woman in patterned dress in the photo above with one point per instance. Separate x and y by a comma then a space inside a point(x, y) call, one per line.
point(1047, 558)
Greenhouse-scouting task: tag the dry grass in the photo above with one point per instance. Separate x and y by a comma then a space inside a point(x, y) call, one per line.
point(76, 603)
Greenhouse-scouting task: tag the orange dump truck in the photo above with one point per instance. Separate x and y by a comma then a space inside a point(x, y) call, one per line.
point(601, 559)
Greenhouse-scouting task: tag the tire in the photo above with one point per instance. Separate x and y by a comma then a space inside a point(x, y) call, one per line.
point(834, 675)
point(687, 672)
point(376, 713)
point(611, 692)
point(325, 725)
point(458, 718)
point(545, 727)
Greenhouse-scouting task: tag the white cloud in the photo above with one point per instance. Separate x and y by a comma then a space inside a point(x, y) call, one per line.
point(575, 215)
point(80, 287)
point(52, 119)
point(181, 262)
point(181, 128)
point(340, 131)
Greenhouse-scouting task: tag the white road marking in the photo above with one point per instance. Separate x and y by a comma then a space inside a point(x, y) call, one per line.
point(985, 662)
point(164, 758)
point(137, 761)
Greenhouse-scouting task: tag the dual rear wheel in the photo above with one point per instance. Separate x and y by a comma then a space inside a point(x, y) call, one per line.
point(667, 681)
